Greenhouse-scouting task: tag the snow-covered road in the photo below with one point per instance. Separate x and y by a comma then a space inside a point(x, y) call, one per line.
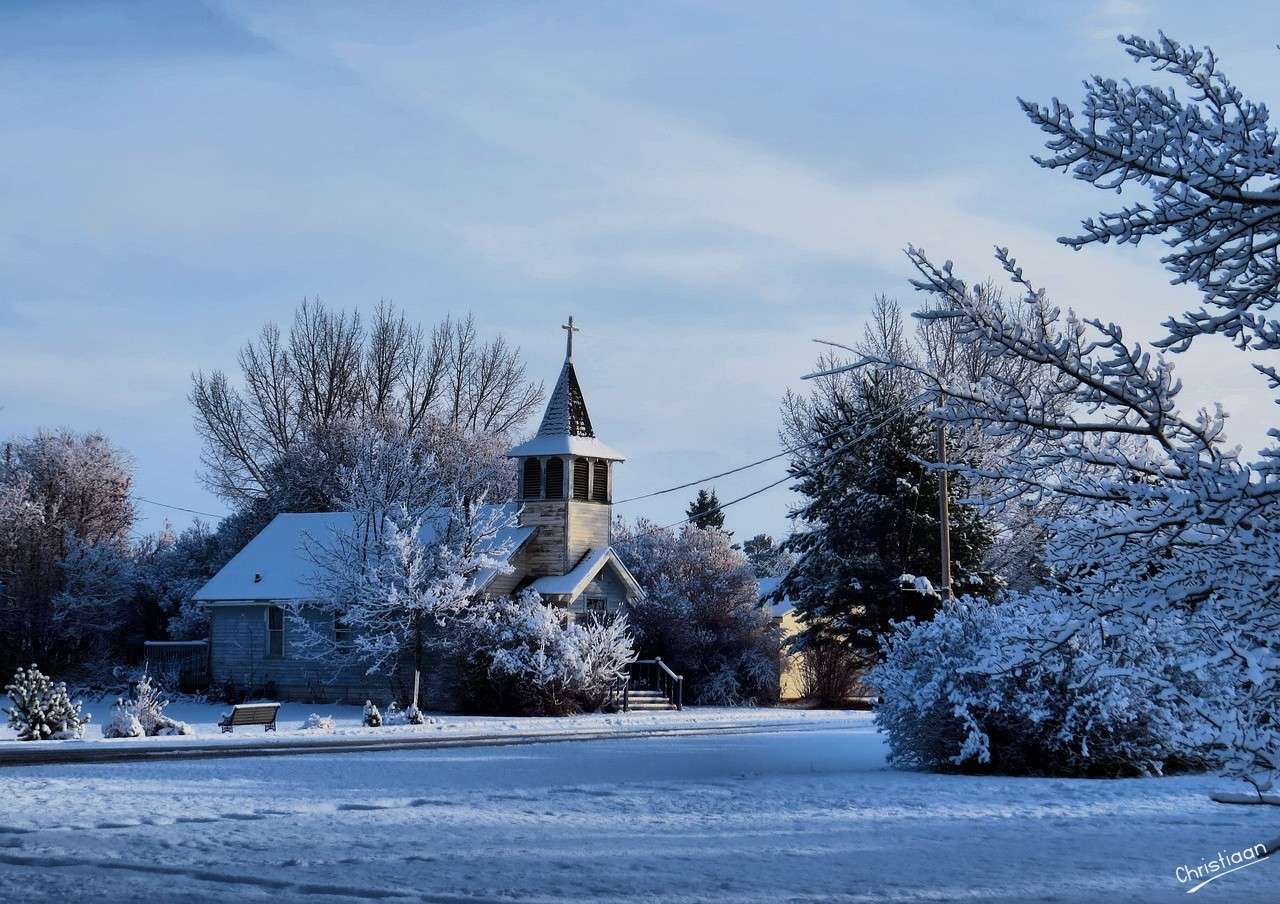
point(769, 817)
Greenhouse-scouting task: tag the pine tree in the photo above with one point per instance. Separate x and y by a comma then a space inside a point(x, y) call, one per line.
point(867, 532)
point(704, 511)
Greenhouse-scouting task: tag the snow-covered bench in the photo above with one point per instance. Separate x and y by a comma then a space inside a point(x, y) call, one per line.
point(263, 714)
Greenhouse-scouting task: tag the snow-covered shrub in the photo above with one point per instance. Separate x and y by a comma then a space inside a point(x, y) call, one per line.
point(41, 710)
point(702, 612)
point(956, 694)
point(394, 714)
point(145, 706)
point(520, 655)
point(123, 723)
point(414, 716)
point(317, 722)
point(372, 717)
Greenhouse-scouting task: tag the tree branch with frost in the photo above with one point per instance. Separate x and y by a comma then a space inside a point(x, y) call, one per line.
point(1212, 169)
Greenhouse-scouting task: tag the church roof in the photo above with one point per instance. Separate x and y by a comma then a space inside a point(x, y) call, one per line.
point(573, 583)
point(566, 424)
point(278, 563)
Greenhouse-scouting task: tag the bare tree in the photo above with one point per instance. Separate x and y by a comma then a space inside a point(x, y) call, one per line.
point(331, 370)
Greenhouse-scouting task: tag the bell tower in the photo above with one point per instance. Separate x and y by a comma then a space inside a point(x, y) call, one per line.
point(566, 478)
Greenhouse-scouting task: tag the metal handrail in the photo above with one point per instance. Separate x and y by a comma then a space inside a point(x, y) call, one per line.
point(668, 682)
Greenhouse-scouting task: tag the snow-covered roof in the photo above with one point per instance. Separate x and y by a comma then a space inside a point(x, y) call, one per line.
point(767, 586)
point(276, 564)
point(584, 573)
point(586, 446)
point(566, 425)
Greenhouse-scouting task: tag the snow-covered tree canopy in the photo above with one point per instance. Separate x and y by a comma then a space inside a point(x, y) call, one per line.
point(420, 537)
point(1212, 168)
point(1172, 522)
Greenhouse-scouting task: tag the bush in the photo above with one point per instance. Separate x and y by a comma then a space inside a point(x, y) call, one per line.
point(829, 671)
point(146, 706)
point(317, 722)
point(42, 710)
point(372, 718)
point(702, 613)
point(959, 693)
point(123, 723)
point(520, 656)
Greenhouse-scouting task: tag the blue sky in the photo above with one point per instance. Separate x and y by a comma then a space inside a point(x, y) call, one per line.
point(706, 186)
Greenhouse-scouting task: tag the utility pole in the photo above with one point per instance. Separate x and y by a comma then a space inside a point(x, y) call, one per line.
point(944, 511)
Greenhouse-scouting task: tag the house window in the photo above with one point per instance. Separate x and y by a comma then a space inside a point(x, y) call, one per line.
point(555, 478)
point(275, 632)
point(581, 478)
point(600, 485)
point(597, 607)
point(341, 632)
point(532, 478)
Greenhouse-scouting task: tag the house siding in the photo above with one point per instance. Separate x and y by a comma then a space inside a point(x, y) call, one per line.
point(238, 641)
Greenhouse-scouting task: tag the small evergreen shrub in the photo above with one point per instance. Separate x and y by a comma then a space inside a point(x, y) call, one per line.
point(41, 709)
point(372, 718)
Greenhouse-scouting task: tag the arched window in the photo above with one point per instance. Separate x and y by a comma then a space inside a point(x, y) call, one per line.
point(532, 478)
point(581, 478)
point(555, 478)
point(600, 486)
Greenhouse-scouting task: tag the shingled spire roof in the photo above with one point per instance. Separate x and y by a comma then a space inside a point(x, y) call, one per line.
point(567, 410)
point(566, 425)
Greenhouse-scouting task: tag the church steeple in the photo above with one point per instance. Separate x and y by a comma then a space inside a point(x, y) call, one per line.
point(566, 425)
point(566, 477)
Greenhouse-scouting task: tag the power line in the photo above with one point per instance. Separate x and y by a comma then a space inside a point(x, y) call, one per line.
point(775, 457)
point(893, 413)
point(176, 508)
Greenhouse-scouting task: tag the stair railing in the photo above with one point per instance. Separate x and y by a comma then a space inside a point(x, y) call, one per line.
point(655, 675)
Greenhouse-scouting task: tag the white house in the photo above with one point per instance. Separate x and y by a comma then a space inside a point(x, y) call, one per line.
point(560, 548)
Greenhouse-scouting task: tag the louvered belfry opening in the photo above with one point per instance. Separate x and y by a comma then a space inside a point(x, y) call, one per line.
point(555, 478)
point(600, 483)
point(532, 483)
point(581, 478)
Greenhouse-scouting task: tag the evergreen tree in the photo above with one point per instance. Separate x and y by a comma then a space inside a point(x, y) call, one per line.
point(867, 532)
point(765, 556)
point(704, 511)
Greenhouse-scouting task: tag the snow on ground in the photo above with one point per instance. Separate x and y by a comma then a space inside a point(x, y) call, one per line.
point(776, 816)
point(203, 717)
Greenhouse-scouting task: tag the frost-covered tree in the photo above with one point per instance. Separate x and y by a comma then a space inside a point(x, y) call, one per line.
point(1169, 523)
point(523, 655)
point(701, 612)
point(95, 603)
point(409, 561)
point(64, 498)
point(866, 541)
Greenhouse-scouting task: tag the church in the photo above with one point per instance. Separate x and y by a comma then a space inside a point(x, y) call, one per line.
point(560, 547)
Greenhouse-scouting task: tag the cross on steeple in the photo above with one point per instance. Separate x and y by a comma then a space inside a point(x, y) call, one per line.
point(568, 351)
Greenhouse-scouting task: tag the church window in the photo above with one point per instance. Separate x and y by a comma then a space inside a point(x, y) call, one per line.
point(532, 478)
point(275, 632)
point(581, 478)
point(600, 485)
point(341, 631)
point(555, 478)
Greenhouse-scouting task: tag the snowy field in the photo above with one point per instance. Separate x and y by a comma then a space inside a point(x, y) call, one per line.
point(794, 816)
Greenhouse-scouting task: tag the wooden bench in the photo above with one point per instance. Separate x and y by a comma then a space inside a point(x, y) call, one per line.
point(263, 714)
